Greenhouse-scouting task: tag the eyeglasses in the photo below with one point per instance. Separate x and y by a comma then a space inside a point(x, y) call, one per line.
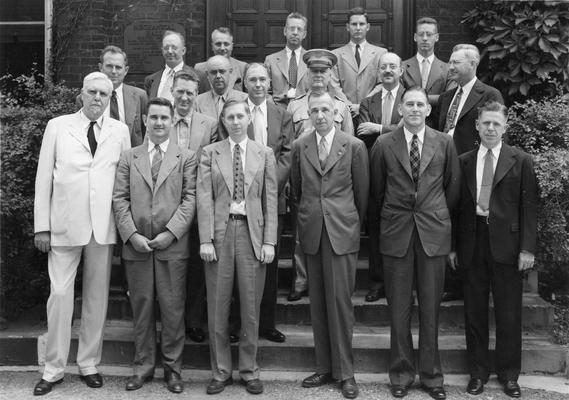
point(168, 48)
point(214, 72)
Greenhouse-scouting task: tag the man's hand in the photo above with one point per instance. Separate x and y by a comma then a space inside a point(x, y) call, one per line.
point(267, 253)
point(354, 110)
point(525, 260)
point(42, 241)
point(162, 241)
point(207, 252)
point(140, 243)
point(368, 128)
point(452, 260)
point(291, 94)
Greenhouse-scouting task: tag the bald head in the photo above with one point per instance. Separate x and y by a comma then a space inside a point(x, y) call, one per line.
point(218, 73)
point(390, 70)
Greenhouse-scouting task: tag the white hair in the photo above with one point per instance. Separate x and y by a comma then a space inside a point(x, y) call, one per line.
point(470, 51)
point(96, 76)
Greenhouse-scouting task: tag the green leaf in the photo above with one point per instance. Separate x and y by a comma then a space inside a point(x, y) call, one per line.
point(524, 88)
point(484, 39)
point(544, 45)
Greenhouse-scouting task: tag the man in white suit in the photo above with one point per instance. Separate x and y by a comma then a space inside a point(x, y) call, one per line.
point(356, 70)
point(73, 217)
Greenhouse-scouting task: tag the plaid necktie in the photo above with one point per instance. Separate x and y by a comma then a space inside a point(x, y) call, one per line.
point(292, 70)
point(91, 138)
point(156, 163)
point(487, 178)
point(415, 159)
point(238, 176)
point(183, 133)
point(322, 152)
point(451, 115)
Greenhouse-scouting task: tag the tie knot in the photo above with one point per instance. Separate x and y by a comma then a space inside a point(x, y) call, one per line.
point(114, 94)
point(489, 153)
point(357, 46)
point(157, 147)
point(237, 147)
point(293, 54)
point(92, 123)
point(323, 141)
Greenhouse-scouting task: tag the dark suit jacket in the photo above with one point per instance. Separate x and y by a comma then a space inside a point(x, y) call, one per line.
point(437, 82)
point(152, 82)
point(465, 134)
point(403, 209)
point(512, 222)
point(335, 197)
point(371, 111)
point(141, 207)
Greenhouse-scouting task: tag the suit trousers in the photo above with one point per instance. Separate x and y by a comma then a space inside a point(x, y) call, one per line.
point(235, 261)
point(62, 267)
point(165, 281)
point(375, 268)
point(428, 275)
point(299, 276)
point(506, 283)
point(195, 299)
point(331, 283)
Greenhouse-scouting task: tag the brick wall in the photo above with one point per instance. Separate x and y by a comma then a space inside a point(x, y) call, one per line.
point(105, 21)
point(449, 14)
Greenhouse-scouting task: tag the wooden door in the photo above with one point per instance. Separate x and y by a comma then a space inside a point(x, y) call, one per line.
point(257, 25)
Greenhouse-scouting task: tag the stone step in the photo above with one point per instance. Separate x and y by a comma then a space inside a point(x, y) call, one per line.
point(537, 313)
point(371, 349)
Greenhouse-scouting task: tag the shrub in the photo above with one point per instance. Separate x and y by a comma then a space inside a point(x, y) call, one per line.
point(525, 44)
point(541, 128)
point(27, 105)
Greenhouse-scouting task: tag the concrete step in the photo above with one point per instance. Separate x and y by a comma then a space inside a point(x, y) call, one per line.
point(371, 349)
point(537, 313)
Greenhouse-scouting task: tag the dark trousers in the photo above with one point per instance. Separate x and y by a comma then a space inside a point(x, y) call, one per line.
point(331, 282)
point(428, 275)
point(196, 297)
point(375, 269)
point(506, 283)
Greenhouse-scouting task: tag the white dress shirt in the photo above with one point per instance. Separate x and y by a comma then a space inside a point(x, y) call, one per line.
point(85, 122)
point(353, 47)
point(480, 158)
point(409, 139)
point(239, 208)
point(465, 92)
point(329, 139)
point(165, 75)
point(291, 94)
point(430, 61)
point(263, 108)
point(120, 102)
point(152, 150)
point(384, 93)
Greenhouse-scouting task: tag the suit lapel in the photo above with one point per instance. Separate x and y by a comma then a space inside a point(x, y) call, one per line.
point(225, 164)
point(399, 148)
point(436, 70)
point(302, 69)
point(366, 56)
point(128, 102)
point(472, 99)
point(169, 162)
point(106, 130)
point(197, 130)
point(395, 117)
point(272, 121)
point(142, 162)
point(78, 133)
point(311, 152)
point(282, 63)
point(253, 160)
point(470, 174)
point(506, 161)
point(349, 57)
point(156, 83)
point(412, 67)
point(429, 148)
point(337, 151)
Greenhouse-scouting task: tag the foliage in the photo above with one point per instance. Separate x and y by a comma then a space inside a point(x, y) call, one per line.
point(561, 320)
point(541, 128)
point(525, 44)
point(27, 105)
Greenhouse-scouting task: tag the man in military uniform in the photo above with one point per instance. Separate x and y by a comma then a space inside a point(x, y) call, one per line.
point(320, 63)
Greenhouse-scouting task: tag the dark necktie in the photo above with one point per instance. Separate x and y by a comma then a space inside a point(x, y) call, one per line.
point(358, 57)
point(415, 159)
point(238, 177)
point(487, 178)
point(322, 152)
point(91, 138)
point(451, 115)
point(156, 163)
point(114, 106)
point(292, 70)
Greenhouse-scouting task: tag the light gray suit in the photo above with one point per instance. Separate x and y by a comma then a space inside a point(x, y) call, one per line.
point(277, 65)
point(205, 103)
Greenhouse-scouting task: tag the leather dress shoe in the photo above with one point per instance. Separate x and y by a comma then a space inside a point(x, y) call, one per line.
point(196, 334)
point(350, 388)
point(475, 386)
point(512, 389)
point(399, 391)
point(374, 295)
point(253, 386)
point(93, 380)
point(233, 337)
point(437, 393)
point(296, 295)
point(216, 386)
point(173, 380)
point(274, 335)
point(135, 382)
point(44, 387)
point(451, 296)
point(316, 380)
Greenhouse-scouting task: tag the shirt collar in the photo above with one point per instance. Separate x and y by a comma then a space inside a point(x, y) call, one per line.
point(420, 58)
point(242, 144)
point(177, 68)
point(262, 106)
point(482, 150)
point(468, 87)
point(362, 45)
point(119, 89)
point(329, 136)
point(296, 52)
point(393, 92)
point(409, 135)
point(178, 118)
point(86, 121)
point(163, 145)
